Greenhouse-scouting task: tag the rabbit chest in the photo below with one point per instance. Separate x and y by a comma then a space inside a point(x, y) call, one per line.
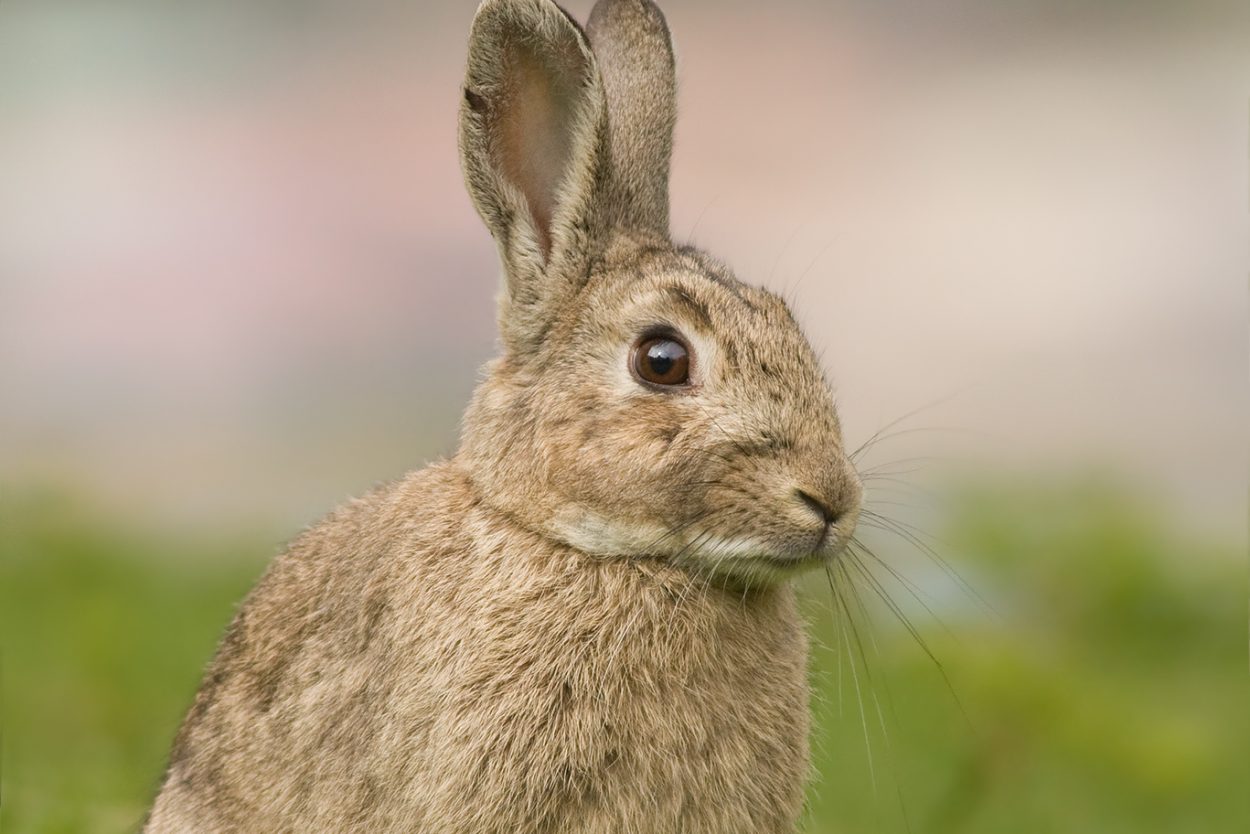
point(457, 673)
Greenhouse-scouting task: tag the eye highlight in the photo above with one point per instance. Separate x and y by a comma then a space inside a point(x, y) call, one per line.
point(662, 360)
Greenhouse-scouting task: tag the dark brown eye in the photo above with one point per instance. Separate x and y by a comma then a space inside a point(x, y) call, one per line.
point(662, 360)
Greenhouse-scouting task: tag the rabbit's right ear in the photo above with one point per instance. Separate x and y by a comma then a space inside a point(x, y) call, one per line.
point(533, 146)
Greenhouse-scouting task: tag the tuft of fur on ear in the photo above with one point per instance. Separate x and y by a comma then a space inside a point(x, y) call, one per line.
point(533, 127)
point(635, 54)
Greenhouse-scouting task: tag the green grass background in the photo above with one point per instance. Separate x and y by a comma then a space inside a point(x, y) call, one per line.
point(1106, 691)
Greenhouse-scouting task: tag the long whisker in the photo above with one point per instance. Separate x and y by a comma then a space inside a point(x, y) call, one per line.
point(863, 718)
point(812, 263)
point(876, 440)
point(884, 469)
point(898, 420)
point(872, 689)
point(889, 525)
point(899, 486)
point(907, 526)
point(773, 272)
point(913, 459)
point(912, 588)
point(875, 585)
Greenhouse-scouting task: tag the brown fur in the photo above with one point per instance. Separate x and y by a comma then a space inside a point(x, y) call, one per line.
point(582, 622)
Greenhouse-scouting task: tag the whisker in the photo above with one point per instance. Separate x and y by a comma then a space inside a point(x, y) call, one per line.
point(877, 436)
point(872, 689)
point(906, 622)
point(789, 240)
point(902, 504)
point(885, 524)
point(899, 486)
point(876, 440)
point(912, 588)
point(882, 470)
point(859, 697)
point(906, 526)
point(824, 249)
point(910, 459)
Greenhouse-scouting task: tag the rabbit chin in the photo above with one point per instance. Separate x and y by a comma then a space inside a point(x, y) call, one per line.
point(752, 561)
point(740, 558)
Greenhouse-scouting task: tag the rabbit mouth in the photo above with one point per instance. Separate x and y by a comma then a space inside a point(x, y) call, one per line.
point(771, 555)
point(827, 548)
point(769, 569)
point(757, 560)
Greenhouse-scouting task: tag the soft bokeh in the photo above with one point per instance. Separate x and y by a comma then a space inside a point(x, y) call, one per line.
point(240, 280)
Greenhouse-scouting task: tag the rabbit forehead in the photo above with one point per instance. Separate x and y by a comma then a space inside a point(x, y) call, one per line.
point(738, 332)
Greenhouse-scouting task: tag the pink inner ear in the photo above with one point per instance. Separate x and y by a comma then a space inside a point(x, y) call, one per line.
point(535, 131)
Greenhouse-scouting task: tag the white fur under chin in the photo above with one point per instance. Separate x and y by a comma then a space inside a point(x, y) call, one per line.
point(593, 533)
point(746, 558)
point(741, 557)
point(598, 535)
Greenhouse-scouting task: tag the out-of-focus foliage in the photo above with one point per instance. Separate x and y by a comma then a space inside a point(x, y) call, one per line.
point(1101, 688)
point(105, 636)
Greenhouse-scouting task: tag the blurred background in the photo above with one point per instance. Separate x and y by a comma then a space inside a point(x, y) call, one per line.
point(240, 281)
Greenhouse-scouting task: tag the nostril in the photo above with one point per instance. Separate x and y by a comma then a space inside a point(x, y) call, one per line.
point(819, 507)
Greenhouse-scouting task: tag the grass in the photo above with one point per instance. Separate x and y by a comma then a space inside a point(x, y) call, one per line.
point(1108, 693)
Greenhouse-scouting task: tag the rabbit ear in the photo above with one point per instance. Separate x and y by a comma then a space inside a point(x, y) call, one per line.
point(534, 151)
point(635, 54)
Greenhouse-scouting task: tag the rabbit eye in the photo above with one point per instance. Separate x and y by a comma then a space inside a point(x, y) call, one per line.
point(662, 360)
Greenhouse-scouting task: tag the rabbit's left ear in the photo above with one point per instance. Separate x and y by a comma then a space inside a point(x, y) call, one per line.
point(635, 54)
point(533, 145)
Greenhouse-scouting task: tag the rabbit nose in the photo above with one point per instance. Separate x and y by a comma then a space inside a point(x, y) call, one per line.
point(822, 508)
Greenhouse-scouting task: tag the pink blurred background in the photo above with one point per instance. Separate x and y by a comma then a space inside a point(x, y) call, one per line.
point(240, 279)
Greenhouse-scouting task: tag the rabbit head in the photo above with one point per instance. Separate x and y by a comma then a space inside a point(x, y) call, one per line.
point(646, 403)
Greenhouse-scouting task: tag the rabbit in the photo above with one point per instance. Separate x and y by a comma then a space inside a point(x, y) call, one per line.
point(584, 619)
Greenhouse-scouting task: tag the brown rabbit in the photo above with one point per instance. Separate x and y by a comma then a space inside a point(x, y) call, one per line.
point(582, 622)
